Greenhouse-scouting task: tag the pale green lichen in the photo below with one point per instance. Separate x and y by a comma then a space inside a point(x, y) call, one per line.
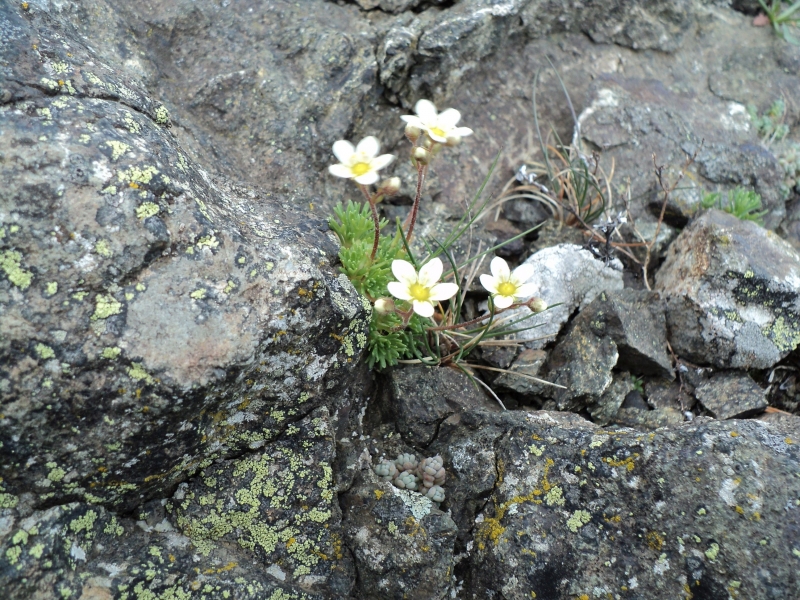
point(111, 190)
point(208, 241)
point(578, 519)
point(712, 552)
point(102, 248)
point(52, 288)
point(554, 497)
point(198, 294)
point(147, 209)
point(136, 371)
point(162, 115)
point(10, 261)
point(44, 351)
point(56, 473)
point(536, 450)
point(131, 123)
point(36, 550)
point(111, 353)
point(84, 523)
point(117, 148)
point(785, 337)
point(106, 306)
point(229, 287)
point(137, 175)
point(8, 500)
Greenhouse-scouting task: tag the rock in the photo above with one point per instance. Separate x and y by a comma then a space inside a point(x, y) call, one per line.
point(662, 393)
point(648, 419)
point(402, 544)
point(148, 311)
point(731, 290)
point(631, 118)
point(570, 277)
point(731, 395)
point(606, 407)
point(684, 506)
point(623, 329)
point(237, 530)
point(422, 397)
point(530, 363)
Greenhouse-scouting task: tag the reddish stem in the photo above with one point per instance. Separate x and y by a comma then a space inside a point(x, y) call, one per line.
point(375, 220)
point(415, 208)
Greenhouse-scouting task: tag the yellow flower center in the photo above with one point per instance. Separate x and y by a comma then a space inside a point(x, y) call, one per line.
point(419, 292)
point(359, 169)
point(438, 131)
point(506, 289)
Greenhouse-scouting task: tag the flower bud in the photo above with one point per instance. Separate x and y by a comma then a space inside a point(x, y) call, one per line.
point(428, 143)
point(537, 305)
point(384, 306)
point(420, 156)
point(413, 132)
point(389, 187)
point(453, 140)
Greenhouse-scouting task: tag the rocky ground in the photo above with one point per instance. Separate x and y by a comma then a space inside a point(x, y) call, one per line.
point(185, 410)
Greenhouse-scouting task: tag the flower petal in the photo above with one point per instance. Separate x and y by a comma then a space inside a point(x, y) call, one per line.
point(443, 291)
point(448, 118)
point(340, 171)
point(404, 271)
point(369, 146)
point(343, 150)
point(499, 269)
point(367, 178)
point(489, 282)
point(462, 131)
point(502, 301)
point(526, 290)
point(423, 309)
point(381, 161)
point(399, 290)
point(435, 136)
point(426, 111)
point(430, 272)
point(522, 273)
point(413, 120)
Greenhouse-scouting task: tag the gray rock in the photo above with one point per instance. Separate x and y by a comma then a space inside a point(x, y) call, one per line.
point(731, 289)
point(570, 277)
point(263, 525)
point(607, 406)
point(402, 544)
point(422, 397)
point(631, 118)
point(684, 506)
point(648, 419)
point(731, 395)
point(530, 363)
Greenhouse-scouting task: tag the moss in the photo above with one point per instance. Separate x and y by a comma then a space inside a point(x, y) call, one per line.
point(117, 148)
point(147, 209)
point(44, 351)
point(10, 261)
point(106, 306)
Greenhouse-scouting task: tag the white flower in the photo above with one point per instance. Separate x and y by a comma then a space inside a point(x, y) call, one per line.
point(421, 290)
point(507, 287)
point(438, 126)
point(361, 162)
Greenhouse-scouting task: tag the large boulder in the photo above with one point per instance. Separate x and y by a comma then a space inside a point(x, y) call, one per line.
point(731, 289)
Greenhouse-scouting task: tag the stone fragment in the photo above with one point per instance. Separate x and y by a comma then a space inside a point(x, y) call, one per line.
point(606, 407)
point(732, 291)
point(648, 419)
point(530, 363)
point(570, 277)
point(422, 397)
point(731, 395)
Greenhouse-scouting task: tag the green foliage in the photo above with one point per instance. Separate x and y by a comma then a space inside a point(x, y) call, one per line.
point(742, 203)
point(638, 384)
point(770, 126)
point(784, 22)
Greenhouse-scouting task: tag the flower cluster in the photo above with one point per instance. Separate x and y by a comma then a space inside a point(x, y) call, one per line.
point(409, 320)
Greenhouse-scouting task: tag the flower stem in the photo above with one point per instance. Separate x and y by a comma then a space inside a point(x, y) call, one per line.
point(478, 319)
point(375, 220)
point(421, 170)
